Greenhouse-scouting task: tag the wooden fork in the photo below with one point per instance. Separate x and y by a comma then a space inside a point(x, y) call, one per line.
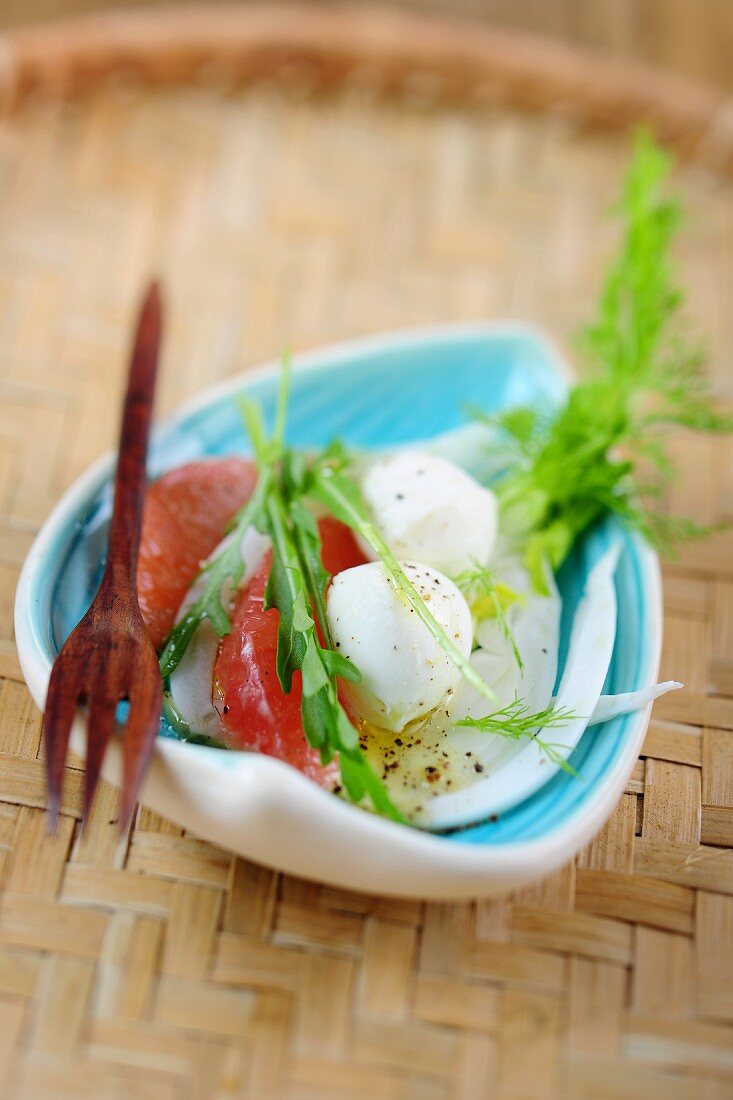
point(109, 656)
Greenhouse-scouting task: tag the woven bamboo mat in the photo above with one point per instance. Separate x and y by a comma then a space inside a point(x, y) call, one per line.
point(162, 967)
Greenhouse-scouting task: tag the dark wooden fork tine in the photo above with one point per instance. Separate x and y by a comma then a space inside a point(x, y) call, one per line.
point(109, 655)
point(102, 709)
point(61, 704)
point(140, 733)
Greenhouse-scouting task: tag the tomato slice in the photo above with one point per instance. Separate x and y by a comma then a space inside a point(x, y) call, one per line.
point(255, 712)
point(185, 516)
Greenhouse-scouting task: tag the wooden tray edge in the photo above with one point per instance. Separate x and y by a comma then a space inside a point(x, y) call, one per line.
point(428, 58)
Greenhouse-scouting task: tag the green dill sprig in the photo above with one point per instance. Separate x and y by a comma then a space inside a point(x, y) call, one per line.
point(516, 722)
point(575, 464)
point(490, 598)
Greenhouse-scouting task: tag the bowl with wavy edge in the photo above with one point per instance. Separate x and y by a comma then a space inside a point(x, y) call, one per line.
point(375, 392)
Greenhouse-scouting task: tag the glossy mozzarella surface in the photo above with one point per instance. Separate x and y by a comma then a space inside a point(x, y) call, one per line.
point(430, 510)
point(405, 673)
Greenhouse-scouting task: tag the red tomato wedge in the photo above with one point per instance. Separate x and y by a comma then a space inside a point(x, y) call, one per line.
point(186, 514)
point(255, 712)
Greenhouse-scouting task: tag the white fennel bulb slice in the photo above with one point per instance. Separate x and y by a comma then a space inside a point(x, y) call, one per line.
point(511, 774)
point(613, 706)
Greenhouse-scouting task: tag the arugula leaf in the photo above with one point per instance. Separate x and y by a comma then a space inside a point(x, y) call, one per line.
point(286, 591)
point(516, 721)
point(283, 399)
point(359, 780)
point(297, 581)
point(297, 587)
point(308, 545)
point(581, 461)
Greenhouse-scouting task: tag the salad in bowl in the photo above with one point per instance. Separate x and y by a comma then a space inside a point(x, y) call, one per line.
point(405, 598)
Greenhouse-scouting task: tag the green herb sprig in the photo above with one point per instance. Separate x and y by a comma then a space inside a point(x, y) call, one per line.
point(575, 464)
point(516, 722)
point(490, 598)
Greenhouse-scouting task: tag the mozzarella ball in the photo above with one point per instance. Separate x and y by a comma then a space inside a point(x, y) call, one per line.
point(405, 672)
point(430, 510)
